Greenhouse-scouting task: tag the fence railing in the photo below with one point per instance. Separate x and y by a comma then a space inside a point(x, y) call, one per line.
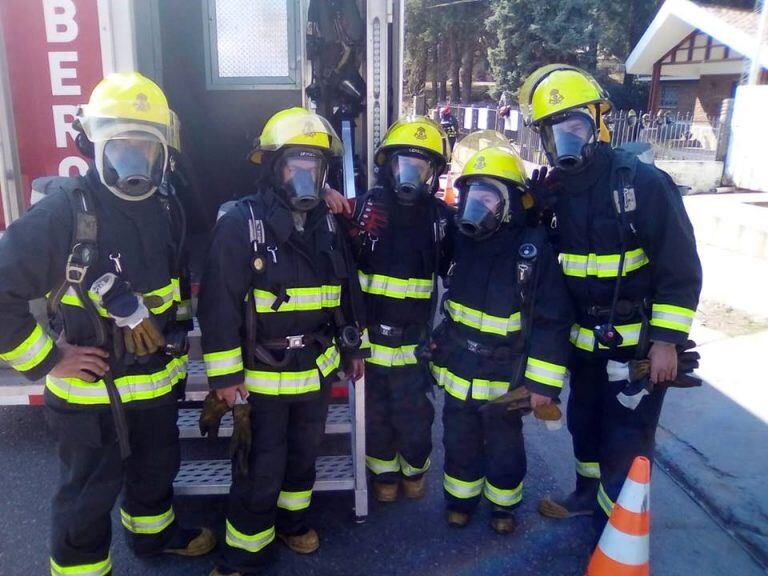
point(671, 135)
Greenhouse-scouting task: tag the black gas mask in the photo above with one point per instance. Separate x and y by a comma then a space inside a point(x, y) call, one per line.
point(484, 206)
point(131, 164)
point(569, 139)
point(413, 175)
point(301, 174)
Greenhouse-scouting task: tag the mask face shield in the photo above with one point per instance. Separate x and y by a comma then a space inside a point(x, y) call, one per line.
point(131, 163)
point(483, 205)
point(302, 175)
point(567, 138)
point(413, 174)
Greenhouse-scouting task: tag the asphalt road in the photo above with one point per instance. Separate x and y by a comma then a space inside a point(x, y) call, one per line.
point(398, 539)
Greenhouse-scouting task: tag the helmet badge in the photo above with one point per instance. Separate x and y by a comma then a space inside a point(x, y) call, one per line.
point(555, 97)
point(480, 163)
point(309, 130)
point(420, 134)
point(141, 104)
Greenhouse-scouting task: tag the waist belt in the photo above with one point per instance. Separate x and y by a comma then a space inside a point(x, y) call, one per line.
point(412, 331)
point(625, 310)
point(501, 353)
point(294, 342)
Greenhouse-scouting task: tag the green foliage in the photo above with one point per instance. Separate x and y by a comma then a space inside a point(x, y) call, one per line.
point(530, 34)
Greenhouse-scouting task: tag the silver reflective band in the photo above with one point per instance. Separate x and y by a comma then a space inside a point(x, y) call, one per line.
point(147, 524)
point(30, 352)
point(392, 287)
point(294, 500)
point(462, 489)
point(481, 321)
point(378, 466)
point(588, 469)
point(249, 543)
point(503, 496)
point(94, 569)
point(386, 356)
point(602, 265)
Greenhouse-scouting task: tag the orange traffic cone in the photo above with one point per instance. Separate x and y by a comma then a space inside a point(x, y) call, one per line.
point(623, 546)
point(449, 197)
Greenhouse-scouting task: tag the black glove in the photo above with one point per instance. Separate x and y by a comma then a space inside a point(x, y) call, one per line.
point(368, 216)
point(543, 187)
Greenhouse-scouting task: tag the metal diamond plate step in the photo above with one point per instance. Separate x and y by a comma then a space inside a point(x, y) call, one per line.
point(209, 477)
point(337, 422)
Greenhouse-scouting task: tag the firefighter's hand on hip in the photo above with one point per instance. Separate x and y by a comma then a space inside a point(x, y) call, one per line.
point(355, 369)
point(83, 362)
point(538, 400)
point(663, 357)
point(231, 394)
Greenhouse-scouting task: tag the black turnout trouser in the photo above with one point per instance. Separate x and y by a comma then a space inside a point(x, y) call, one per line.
point(398, 418)
point(92, 476)
point(484, 454)
point(276, 494)
point(606, 435)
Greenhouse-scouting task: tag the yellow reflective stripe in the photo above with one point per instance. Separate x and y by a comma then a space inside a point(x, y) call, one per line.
point(462, 489)
point(602, 265)
point(503, 496)
point(71, 298)
point(301, 382)
point(31, 352)
point(453, 385)
point(545, 372)
point(481, 321)
point(294, 500)
point(329, 360)
point(365, 341)
point(459, 387)
point(604, 501)
point(584, 338)
point(488, 389)
point(147, 524)
point(410, 471)
point(224, 362)
point(378, 466)
point(392, 287)
point(167, 294)
point(299, 299)
point(588, 469)
point(389, 357)
point(249, 542)
point(672, 317)
point(131, 387)
point(276, 383)
point(95, 569)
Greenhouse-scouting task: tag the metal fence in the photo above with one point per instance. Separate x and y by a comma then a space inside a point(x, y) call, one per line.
point(671, 135)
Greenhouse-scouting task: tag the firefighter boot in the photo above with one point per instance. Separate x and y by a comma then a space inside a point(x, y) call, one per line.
point(385, 491)
point(304, 543)
point(414, 488)
point(578, 503)
point(458, 519)
point(502, 521)
point(191, 542)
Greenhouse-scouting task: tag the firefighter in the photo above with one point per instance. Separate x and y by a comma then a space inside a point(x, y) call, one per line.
point(398, 239)
point(449, 124)
point(611, 213)
point(505, 337)
point(101, 247)
point(276, 315)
